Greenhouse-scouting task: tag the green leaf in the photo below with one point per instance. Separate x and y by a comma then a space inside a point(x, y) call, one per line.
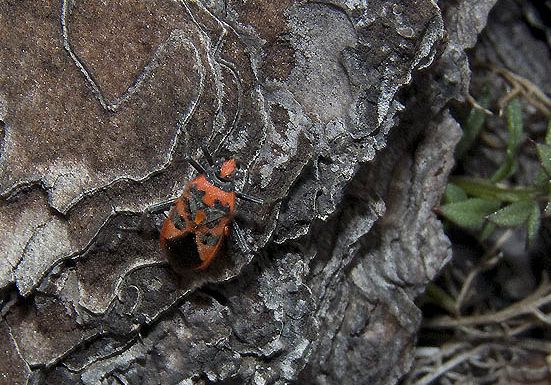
point(487, 230)
point(541, 180)
point(473, 125)
point(470, 213)
point(514, 214)
point(544, 154)
point(534, 220)
point(547, 211)
point(548, 133)
point(507, 168)
point(454, 193)
point(514, 127)
point(482, 188)
point(514, 124)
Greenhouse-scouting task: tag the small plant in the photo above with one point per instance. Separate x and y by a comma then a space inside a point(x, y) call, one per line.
point(482, 204)
point(471, 334)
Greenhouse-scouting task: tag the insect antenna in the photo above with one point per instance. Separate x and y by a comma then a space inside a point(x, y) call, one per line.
point(207, 156)
point(200, 169)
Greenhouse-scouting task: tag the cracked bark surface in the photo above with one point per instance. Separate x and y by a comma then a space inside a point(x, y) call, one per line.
point(337, 112)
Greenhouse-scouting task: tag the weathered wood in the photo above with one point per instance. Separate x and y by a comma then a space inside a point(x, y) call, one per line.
point(102, 103)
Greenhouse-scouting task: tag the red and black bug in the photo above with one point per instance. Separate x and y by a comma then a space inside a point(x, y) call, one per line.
point(199, 221)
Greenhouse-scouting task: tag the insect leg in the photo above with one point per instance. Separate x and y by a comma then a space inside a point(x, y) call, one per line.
point(207, 156)
point(157, 207)
point(161, 206)
point(200, 169)
point(247, 197)
point(242, 243)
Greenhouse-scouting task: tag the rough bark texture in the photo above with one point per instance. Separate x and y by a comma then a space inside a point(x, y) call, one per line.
point(101, 104)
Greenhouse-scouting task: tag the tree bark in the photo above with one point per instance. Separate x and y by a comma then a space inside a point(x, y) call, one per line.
point(338, 113)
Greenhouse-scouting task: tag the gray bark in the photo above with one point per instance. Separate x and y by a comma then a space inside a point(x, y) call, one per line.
point(338, 113)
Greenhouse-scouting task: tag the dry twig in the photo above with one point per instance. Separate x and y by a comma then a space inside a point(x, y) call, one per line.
point(521, 85)
point(528, 306)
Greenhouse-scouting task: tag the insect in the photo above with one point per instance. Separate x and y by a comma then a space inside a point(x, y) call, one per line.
point(202, 217)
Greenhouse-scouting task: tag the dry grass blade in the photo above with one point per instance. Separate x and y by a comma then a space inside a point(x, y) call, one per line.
point(491, 259)
point(450, 364)
point(523, 86)
point(472, 101)
point(528, 306)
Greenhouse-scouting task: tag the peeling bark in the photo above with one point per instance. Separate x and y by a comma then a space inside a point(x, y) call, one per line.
point(337, 112)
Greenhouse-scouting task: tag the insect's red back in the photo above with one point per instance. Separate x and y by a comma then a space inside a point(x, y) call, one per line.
point(227, 169)
point(194, 232)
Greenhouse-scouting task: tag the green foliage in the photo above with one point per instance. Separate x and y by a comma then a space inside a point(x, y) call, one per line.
point(514, 214)
point(483, 188)
point(514, 126)
point(487, 230)
point(544, 155)
point(485, 204)
point(470, 213)
point(473, 126)
point(548, 205)
point(548, 133)
point(534, 220)
point(454, 193)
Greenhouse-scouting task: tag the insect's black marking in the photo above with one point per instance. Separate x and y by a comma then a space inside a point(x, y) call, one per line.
point(214, 216)
point(187, 209)
point(224, 184)
point(178, 221)
point(219, 206)
point(195, 201)
point(209, 239)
